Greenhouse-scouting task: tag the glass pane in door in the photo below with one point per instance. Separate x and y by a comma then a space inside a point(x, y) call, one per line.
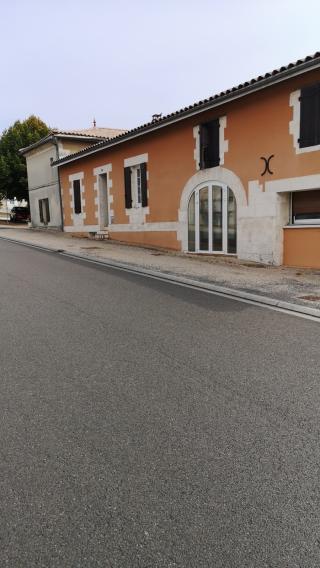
point(216, 218)
point(191, 225)
point(232, 222)
point(203, 219)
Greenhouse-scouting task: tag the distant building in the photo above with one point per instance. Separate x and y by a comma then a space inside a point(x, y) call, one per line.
point(43, 180)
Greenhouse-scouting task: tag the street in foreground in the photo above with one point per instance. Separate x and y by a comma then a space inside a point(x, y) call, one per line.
point(148, 425)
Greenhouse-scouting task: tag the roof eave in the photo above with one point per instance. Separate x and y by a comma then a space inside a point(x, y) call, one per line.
point(181, 115)
point(81, 137)
point(40, 142)
point(55, 136)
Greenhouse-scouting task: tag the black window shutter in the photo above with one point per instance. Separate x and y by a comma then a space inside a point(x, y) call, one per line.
point(76, 196)
point(41, 210)
point(310, 116)
point(127, 188)
point(203, 146)
point(144, 188)
point(209, 144)
point(46, 203)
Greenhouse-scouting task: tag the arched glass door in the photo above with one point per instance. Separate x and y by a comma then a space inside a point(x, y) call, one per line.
point(212, 219)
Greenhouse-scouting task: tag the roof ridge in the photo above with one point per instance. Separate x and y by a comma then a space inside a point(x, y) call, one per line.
point(86, 132)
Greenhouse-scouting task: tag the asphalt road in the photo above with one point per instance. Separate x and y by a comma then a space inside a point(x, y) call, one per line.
point(144, 424)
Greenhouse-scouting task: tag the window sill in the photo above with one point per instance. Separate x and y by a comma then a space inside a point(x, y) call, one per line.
point(213, 253)
point(309, 226)
point(137, 208)
point(304, 149)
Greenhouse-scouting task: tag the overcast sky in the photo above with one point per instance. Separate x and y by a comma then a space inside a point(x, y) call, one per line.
point(120, 61)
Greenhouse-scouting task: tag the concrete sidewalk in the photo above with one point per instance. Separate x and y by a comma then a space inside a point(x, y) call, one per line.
point(297, 286)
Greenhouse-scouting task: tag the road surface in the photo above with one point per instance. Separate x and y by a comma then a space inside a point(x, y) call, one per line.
point(147, 425)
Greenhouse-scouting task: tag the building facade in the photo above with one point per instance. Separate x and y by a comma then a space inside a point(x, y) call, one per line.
point(43, 179)
point(238, 173)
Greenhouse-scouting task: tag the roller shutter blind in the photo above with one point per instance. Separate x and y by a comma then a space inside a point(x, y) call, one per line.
point(306, 204)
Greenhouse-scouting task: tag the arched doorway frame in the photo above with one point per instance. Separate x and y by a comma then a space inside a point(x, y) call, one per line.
point(218, 176)
point(222, 229)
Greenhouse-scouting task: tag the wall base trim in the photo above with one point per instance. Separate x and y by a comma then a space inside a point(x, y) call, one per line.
point(81, 228)
point(130, 228)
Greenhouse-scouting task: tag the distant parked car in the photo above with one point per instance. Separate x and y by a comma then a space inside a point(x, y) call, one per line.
point(19, 214)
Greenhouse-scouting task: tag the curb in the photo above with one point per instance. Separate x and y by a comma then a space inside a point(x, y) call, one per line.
point(248, 297)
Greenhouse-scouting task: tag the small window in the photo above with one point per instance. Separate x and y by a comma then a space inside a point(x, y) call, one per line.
point(41, 210)
point(77, 196)
point(135, 183)
point(209, 144)
point(310, 116)
point(44, 211)
point(306, 207)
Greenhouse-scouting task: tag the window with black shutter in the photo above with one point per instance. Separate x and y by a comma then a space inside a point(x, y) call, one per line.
point(127, 188)
point(77, 196)
point(310, 116)
point(209, 144)
point(135, 185)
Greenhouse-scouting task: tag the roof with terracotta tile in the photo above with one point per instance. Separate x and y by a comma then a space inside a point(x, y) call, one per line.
point(94, 132)
point(283, 73)
point(91, 134)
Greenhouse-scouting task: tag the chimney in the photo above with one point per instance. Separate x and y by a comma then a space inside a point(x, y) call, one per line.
point(94, 123)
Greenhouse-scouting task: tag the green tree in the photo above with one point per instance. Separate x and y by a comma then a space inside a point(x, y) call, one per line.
point(13, 170)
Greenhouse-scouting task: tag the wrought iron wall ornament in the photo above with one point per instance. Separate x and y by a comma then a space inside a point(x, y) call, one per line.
point(266, 164)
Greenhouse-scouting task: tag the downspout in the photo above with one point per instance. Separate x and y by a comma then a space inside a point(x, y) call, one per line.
point(55, 141)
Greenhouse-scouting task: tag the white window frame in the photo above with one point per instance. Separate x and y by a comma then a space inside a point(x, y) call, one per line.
point(74, 210)
point(294, 125)
point(295, 222)
point(136, 190)
point(45, 220)
point(134, 162)
point(77, 218)
point(196, 193)
point(223, 143)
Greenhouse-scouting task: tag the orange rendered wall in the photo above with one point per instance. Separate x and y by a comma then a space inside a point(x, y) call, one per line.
point(257, 125)
point(170, 164)
point(302, 247)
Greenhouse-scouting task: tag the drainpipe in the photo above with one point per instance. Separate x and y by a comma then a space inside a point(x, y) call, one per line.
point(55, 141)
